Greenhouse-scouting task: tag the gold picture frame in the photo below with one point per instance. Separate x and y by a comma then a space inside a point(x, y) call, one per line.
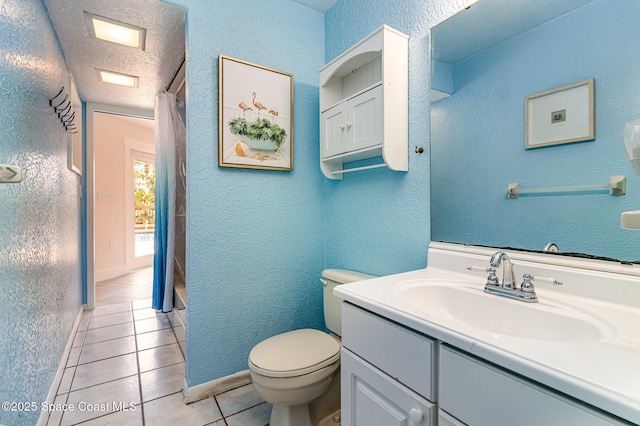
point(559, 116)
point(255, 116)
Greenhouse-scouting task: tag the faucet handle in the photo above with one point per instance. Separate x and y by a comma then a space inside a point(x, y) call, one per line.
point(479, 269)
point(527, 285)
point(492, 279)
point(547, 280)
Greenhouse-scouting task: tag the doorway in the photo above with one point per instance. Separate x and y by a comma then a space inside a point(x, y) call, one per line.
point(124, 149)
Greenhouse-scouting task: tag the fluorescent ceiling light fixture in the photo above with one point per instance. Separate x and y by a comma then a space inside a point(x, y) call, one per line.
point(117, 78)
point(115, 31)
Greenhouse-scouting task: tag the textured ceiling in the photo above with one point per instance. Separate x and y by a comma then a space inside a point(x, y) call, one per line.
point(319, 5)
point(488, 22)
point(155, 66)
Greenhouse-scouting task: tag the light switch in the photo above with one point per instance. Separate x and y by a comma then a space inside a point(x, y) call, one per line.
point(106, 197)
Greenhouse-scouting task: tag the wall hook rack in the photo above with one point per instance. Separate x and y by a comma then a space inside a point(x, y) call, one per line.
point(59, 93)
point(64, 111)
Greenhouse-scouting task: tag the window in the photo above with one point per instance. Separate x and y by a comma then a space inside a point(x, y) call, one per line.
point(144, 183)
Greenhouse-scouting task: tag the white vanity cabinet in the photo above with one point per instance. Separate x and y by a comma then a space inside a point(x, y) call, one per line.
point(364, 105)
point(392, 375)
point(476, 392)
point(387, 372)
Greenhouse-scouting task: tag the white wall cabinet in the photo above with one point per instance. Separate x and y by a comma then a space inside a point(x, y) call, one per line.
point(392, 375)
point(364, 105)
point(354, 125)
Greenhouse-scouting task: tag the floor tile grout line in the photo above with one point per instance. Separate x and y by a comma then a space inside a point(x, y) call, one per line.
point(75, 368)
point(110, 340)
point(164, 396)
point(184, 356)
point(102, 359)
point(129, 353)
point(106, 413)
point(237, 412)
point(123, 336)
point(159, 346)
point(224, 419)
point(158, 368)
point(109, 325)
point(139, 372)
point(126, 322)
point(101, 383)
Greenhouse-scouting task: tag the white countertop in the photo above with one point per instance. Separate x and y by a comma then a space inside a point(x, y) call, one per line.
point(604, 373)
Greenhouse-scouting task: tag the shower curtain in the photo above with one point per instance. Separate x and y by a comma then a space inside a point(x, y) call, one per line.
point(169, 130)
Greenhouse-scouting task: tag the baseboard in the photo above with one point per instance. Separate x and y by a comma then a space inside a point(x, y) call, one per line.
point(53, 390)
point(215, 387)
point(107, 274)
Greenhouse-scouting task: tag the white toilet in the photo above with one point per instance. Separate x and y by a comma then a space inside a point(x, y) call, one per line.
point(292, 369)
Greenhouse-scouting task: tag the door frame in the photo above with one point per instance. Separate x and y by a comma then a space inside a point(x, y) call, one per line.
point(89, 229)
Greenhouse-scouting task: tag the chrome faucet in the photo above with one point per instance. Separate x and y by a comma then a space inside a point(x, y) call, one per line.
point(508, 287)
point(508, 276)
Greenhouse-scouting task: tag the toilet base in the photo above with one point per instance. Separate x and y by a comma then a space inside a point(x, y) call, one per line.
point(297, 415)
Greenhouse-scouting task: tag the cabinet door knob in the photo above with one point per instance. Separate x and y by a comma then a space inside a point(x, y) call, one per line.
point(342, 126)
point(348, 124)
point(416, 415)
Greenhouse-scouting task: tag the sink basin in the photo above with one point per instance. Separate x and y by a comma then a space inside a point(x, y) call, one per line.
point(468, 304)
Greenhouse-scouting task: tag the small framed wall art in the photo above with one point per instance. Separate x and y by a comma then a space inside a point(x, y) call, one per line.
point(562, 115)
point(255, 116)
point(74, 127)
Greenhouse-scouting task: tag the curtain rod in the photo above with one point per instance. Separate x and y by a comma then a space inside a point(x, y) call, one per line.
point(175, 76)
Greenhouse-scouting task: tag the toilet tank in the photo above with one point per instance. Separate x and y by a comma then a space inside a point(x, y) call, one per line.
point(333, 304)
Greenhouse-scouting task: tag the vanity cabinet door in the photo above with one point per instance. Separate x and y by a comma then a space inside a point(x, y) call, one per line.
point(446, 419)
point(371, 398)
point(478, 393)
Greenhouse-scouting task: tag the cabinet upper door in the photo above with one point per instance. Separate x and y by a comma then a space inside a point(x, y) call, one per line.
point(334, 130)
point(364, 120)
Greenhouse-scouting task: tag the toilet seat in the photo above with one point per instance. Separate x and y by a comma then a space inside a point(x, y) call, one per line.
point(294, 353)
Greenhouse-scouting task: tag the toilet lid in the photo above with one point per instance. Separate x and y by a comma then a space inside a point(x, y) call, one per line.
point(294, 353)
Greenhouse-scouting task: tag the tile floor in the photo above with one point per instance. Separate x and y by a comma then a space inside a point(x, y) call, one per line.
point(136, 285)
point(128, 355)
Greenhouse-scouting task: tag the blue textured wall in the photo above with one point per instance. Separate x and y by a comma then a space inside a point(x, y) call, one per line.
point(377, 221)
point(478, 136)
point(254, 239)
point(40, 219)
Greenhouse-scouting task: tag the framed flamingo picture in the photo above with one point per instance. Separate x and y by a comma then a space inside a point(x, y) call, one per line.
point(255, 116)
